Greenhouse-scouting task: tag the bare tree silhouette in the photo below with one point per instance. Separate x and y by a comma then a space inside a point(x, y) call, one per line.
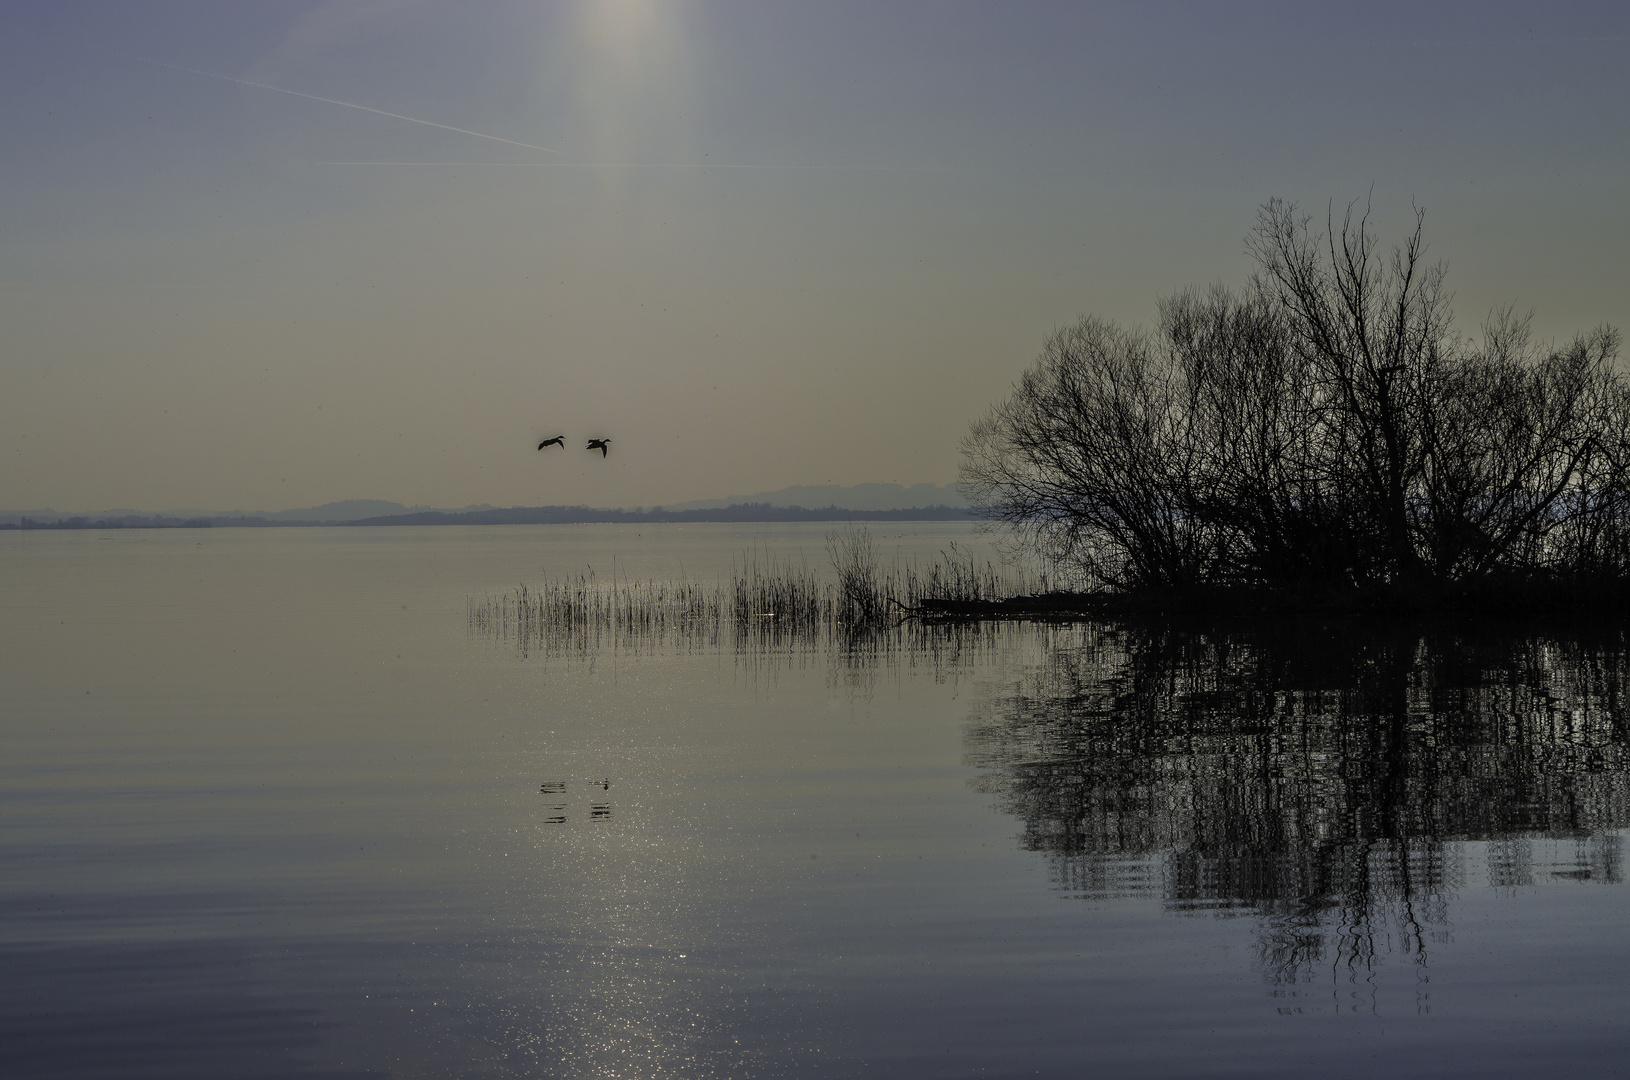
point(1327, 427)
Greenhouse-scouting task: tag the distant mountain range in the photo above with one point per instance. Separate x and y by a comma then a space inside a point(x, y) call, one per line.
point(802, 503)
point(858, 497)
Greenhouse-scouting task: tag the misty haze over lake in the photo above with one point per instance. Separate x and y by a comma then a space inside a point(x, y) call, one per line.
point(863, 497)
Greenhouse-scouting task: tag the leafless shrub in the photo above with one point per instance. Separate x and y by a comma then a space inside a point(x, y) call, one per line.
point(1326, 427)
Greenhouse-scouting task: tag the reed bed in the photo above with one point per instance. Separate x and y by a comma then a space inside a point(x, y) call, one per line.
point(766, 603)
point(586, 610)
point(958, 576)
point(794, 596)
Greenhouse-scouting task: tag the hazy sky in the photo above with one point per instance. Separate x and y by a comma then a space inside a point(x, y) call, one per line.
point(762, 244)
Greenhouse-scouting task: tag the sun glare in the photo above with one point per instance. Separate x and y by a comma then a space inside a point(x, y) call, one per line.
point(634, 89)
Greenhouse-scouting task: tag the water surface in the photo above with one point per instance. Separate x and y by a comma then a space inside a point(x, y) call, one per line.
point(270, 807)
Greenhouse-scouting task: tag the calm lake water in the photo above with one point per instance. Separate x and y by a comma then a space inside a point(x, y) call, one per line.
point(270, 806)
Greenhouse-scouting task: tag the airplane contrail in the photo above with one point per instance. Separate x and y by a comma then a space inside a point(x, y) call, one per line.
point(686, 165)
point(610, 164)
point(347, 104)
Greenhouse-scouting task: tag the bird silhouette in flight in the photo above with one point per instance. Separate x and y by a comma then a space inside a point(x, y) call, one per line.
point(558, 440)
point(598, 444)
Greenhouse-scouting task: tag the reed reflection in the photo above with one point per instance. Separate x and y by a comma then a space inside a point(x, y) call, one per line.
point(1317, 778)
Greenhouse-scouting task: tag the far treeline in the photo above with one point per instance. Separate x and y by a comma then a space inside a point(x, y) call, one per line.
point(1323, 435)
point(520, 515)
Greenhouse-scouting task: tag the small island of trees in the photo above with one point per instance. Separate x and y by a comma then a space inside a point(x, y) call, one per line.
point(1323, 435)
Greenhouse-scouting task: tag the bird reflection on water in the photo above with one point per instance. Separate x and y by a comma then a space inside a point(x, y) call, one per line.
point(555, 812)
point(1317, 778)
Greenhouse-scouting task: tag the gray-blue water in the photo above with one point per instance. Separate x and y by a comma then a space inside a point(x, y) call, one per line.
point(270, 807)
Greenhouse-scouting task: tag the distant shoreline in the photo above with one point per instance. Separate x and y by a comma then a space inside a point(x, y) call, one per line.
point(518, 515)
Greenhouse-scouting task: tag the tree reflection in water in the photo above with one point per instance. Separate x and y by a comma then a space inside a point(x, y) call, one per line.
point(1315, 777)
point(1320, 778)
